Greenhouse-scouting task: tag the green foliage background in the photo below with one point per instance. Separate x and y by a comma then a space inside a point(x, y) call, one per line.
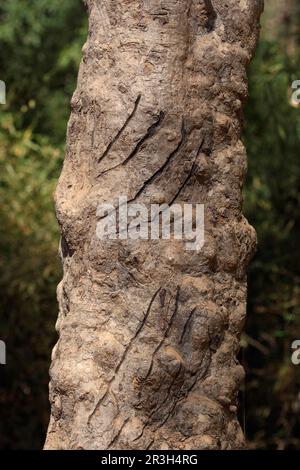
point(40, 51)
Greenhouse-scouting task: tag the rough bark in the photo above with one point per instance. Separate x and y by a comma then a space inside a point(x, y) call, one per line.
point(149, 332)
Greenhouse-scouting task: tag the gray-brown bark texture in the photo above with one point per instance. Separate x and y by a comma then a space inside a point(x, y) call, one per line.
point(148, 331)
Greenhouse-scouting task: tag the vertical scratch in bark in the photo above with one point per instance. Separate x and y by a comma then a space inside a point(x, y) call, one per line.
point(127, 349)
point(150, 133)
point(165, 334)
point(119, 133)
point(118, 434)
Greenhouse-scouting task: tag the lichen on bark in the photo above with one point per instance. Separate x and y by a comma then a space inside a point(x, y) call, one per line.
point(149, 332)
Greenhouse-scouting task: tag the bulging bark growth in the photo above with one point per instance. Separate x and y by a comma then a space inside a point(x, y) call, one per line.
point(148, 331)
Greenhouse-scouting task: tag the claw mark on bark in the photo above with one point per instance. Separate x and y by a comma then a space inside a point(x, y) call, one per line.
point(65, 250)
point(158, 172)
point(200, 375)
point(114, 440)
point(150, 444)
point(167, 162)
point(162, 297)
point(167, 416)
point(170, 388)
point(117, 136)
point(150, 133)
point(150, 420)
point(175, 312)
point(165, 334)
point(187, 324)
point(211, 16)
point(187, 179)
point(127, 349)
point(177, 403)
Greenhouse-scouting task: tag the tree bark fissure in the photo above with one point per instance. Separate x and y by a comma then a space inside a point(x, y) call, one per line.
point(119, 133)
point(127, 349)
point(148, 331)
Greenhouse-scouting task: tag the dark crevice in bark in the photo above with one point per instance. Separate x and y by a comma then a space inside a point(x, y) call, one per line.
point(168, 394)
point(166, 164)
point(189, 176)
point(158, 172)
point(162, 297)
point(66, 251)
point(119, 133)
point(150, 419)
point(150, 444)
point(118, 434)
point(150, 133)
point(187, 324)
point(167, 416)
point(211, 14)
point(175, 312)
point(108, 169)
point(201, 375)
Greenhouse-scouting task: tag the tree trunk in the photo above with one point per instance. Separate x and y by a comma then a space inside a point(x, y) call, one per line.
point(148, 331)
